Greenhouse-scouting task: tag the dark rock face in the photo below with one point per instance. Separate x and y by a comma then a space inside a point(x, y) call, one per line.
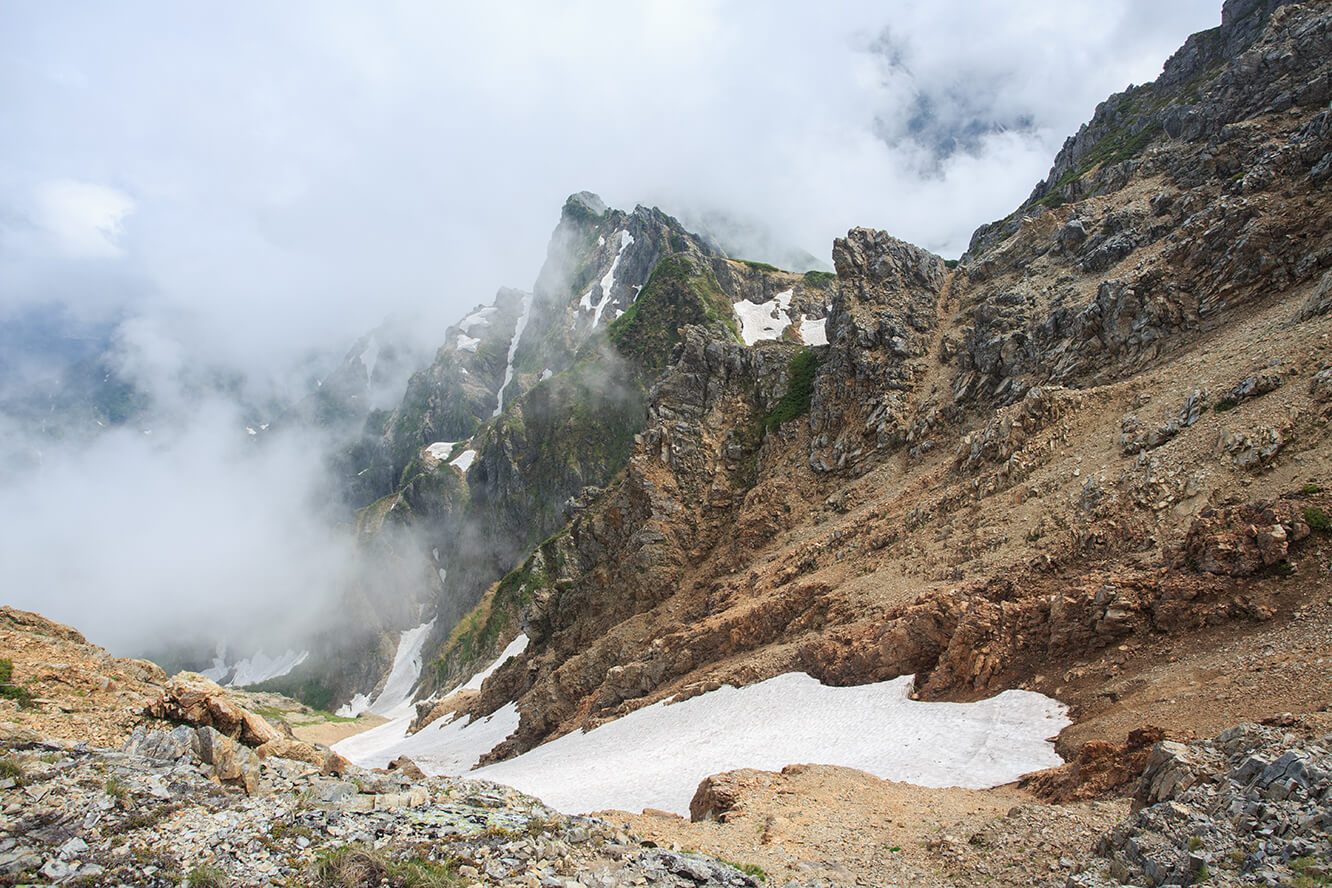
point(880, 325)
point(638, 544)
point(1250, 806)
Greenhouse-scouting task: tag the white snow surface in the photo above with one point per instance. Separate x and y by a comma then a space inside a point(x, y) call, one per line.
point(253, 670)
point(464, 460)
point(516, 647)
point(547, 374)
point(607, 283)
point(467, 343)
point(479, 318)
point(440, 450)
point(395, 700)
point(814, 331)
point(656, 756)
point(449, 747)
point(262, 667)
point(765, 320)
point(518, 329)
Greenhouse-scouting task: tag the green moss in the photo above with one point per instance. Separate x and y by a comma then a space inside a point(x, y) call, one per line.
point(1317, 519)
point(799, 390)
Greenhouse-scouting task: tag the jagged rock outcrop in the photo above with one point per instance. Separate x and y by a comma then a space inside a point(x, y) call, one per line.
point(1250, 806)
point(881, 324)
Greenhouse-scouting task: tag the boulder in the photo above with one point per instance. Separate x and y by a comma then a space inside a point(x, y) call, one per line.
point(293, 750)
point(192, 699)
point(232, 764)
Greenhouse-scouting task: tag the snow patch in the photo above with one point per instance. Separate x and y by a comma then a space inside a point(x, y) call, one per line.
point(814, 331)
point(467, 343)
point(354, 707)
point(516, 647)
point(479, 318)
point(547, 374)
point(395, 700)
point(656, 756)
point(440, 450)
point(518, 329)
point(447, 746)
point(464, 460)
point(766, 320)
point(253, 670)
point(262, 667)
point(248, 430)
point(607, 283)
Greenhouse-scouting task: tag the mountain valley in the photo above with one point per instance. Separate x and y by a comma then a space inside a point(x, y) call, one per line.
point(1085, 465)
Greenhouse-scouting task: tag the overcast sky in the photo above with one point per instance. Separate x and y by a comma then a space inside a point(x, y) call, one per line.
point(278, 175)
point(247, 181)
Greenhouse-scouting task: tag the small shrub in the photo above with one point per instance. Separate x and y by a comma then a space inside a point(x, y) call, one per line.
point(116, 788)
point(749, 869)
point(950, 263)
point(1223, 405)
point(760, 266)
point(11, 770)
point(205, 876)
point(1317, 519)
point(359, 866)
point(820, 279)
point(9, 689)
point(1310, 489)
point(1195, 843)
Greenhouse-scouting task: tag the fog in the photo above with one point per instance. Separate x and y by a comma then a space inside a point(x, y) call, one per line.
point(239, 192)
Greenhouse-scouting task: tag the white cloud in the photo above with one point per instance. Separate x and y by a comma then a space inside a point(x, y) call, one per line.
point(81, 218)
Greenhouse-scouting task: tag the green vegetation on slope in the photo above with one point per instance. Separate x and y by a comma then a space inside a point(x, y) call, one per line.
point(799, 390)
point(679, 293)
point(477, 634)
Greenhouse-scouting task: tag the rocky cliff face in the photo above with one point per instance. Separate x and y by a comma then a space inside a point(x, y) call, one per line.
point(535, 404)
point(1103, 429)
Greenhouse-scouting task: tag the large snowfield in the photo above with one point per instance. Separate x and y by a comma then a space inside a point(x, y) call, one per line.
point(656, 756)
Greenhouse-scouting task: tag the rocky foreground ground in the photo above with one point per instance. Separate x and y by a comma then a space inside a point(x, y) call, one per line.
point(113, 774)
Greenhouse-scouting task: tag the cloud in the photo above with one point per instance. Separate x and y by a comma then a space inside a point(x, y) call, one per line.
point(82, 219)
point(193, 530)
